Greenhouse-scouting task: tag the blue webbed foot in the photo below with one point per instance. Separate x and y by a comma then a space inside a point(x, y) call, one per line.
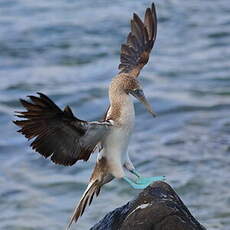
point(135, 185)
point(146, 180)
point(149, 180)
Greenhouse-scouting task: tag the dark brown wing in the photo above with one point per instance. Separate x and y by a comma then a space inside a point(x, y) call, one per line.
point(58, 134)
point(140, 41)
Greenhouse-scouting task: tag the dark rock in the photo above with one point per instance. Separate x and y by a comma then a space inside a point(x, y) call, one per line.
point(158, 207)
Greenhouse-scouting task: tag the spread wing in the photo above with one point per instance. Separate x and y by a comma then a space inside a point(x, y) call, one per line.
point(59, 134)
point(140, 41)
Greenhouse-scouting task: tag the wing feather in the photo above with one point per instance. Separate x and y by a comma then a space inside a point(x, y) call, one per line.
point(140, 41)
point(58, 134)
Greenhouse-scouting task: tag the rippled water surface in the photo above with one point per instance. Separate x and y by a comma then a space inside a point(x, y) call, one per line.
point(70, 51)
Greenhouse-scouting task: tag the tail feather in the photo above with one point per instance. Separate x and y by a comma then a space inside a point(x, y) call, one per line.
point(92, 189)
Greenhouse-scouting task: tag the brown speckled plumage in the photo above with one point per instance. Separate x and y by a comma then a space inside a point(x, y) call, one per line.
point(119, 88)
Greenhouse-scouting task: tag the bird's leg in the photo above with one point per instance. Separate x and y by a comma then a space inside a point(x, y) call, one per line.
point(129, 166)
point(141, 182)
point(134, 172)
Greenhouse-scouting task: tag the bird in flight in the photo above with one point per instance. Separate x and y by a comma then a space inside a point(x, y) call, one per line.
point(65, 139)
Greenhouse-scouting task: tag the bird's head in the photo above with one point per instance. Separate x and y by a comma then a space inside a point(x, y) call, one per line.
point(131, 86)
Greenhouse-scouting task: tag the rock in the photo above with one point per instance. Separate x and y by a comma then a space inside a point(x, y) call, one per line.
point(158, 207)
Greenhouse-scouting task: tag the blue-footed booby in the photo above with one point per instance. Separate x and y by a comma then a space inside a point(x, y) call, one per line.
point(64, 138)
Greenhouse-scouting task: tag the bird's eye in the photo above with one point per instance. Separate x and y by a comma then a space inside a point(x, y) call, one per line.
point(138, 92)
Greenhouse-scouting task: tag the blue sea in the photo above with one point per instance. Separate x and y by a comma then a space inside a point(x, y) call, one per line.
point(69, 50)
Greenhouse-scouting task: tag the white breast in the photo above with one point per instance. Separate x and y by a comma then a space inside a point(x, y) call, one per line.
point(116, 143)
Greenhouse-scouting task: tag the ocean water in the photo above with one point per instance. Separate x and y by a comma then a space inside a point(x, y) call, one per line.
point(70, 51)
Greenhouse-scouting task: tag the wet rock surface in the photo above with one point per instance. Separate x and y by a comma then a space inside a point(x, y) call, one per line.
point(158, 207)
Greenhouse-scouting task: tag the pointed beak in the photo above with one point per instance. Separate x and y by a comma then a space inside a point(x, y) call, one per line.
point(139, 94)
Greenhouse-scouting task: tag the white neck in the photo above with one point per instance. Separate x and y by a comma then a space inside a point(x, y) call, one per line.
point(127, 116)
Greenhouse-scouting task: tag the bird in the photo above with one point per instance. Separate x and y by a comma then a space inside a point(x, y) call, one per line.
point(65, 139)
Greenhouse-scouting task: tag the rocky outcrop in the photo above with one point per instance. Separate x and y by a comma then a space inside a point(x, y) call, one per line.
point(158, 207)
